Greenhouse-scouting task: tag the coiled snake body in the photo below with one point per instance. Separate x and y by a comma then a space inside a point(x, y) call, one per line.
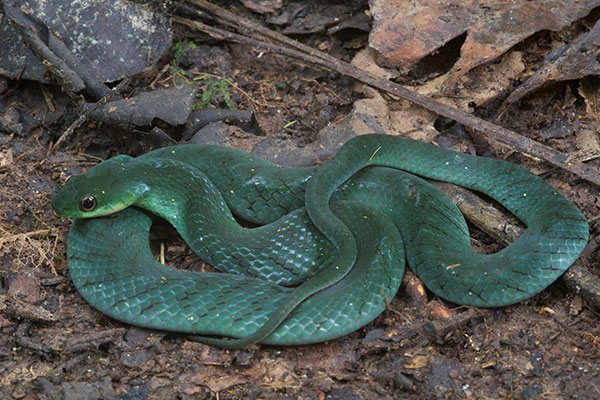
point(331, 250)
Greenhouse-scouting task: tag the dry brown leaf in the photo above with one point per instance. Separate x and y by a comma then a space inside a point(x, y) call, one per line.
point(406, 31)
point(572, 61)
point(213, 378)
point(25, 286)
point(401, 117)
point(365, 60)
point(587, 140)
point(417, 362)
point(6, 158)
point(219, 383)
point(589, 89)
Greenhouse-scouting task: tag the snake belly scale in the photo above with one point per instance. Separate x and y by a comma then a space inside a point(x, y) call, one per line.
point(330, 249)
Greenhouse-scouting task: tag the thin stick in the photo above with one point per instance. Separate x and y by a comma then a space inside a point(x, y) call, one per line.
point(302, 52)
point(84, 116)
point(17, 236)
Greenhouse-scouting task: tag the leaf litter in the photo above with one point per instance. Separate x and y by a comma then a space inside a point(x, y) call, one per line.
point(410, 351)
point(406, 31)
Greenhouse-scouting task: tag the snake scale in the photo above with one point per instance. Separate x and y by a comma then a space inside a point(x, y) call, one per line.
point(330, 244)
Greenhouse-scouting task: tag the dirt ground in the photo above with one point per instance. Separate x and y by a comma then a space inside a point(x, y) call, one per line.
point(53, 345)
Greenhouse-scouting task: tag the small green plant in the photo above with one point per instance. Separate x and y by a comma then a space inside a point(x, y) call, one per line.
point(179, 50)
point(215, 89)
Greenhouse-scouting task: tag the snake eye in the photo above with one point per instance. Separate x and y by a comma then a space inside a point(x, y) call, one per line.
point(88, 203)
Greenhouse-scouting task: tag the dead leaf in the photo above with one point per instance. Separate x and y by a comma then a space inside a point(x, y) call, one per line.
point(576, 305)
point(546, 310)
point(571, 61)
point(219, 383)
point(262, 7)
point(276, 375)
point(438, 311)
point(404, 32)
point(208, 355)
point(401, 117)
point(417, 362)
point(213, 378)
point(25, 286)
point(589, 89)
point(6, 158)
point(365, 59)
point(317, 16)
point(587, 140)
point(5, 322)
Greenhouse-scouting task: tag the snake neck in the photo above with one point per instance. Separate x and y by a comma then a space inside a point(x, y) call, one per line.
point(192, 204)
point(254, 189)
point(182, 195)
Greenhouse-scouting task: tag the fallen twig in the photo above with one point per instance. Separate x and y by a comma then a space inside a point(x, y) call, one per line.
point(23, 340)
point(436, 331)
point(578, 277)
point(84, 116)
point(505, 230)
point(19, 236)
point(92, 340)
point(305, 53)
point(19, 309)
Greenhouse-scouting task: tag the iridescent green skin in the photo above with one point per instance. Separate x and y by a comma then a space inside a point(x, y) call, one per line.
point(345, 269)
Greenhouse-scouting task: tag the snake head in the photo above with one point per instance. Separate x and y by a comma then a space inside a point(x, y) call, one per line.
point(95, 193)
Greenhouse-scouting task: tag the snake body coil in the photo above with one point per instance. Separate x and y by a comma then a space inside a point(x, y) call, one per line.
point(331, 250)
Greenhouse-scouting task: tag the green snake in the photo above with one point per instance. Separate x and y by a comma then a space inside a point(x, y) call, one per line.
point(330, 244)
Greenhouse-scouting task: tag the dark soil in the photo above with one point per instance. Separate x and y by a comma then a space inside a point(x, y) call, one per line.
point(54, 345)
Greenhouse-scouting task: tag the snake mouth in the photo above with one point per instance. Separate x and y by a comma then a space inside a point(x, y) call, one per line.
point(61, 212)
point(109, 210)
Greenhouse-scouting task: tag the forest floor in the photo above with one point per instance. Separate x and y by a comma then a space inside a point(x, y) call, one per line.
point(54, 345)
